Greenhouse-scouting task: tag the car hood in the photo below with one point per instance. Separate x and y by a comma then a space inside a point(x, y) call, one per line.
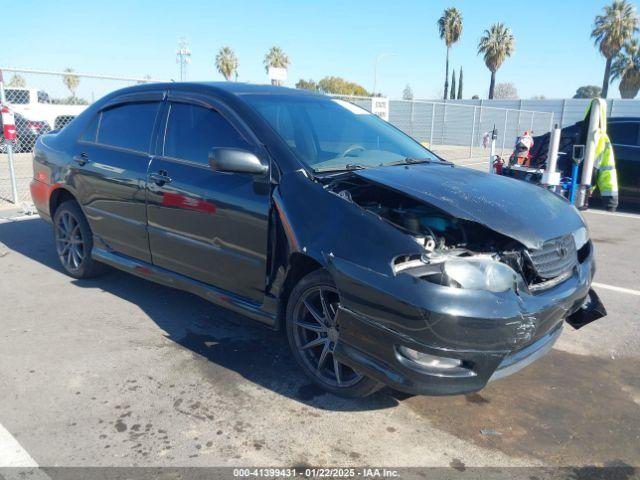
point(522, 211)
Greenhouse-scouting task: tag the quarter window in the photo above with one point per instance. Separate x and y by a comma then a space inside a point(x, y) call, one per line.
point(128, 126)
point(192, 131)
point(90, 133)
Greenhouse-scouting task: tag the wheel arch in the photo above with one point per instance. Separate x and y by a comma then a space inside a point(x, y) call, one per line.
point(58, 197)
point(299, 265)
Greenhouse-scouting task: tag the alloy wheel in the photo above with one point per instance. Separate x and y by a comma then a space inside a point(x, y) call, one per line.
point(69, 241)
point(316, 334)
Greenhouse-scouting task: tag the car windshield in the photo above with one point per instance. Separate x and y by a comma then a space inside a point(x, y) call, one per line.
point(330, 134)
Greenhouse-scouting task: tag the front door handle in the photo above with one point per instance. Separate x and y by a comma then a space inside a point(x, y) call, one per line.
point(81, 159)
point(160, 178)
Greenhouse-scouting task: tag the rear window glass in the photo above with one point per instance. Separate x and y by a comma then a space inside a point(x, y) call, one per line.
point(192, 132)
point(16, 96)
point(623, 133)
point(128, 126)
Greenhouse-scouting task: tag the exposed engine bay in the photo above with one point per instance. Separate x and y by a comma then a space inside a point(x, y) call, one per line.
point(445, 239)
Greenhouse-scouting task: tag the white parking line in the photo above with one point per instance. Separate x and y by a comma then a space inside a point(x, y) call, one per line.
point(11, 452)
point(473, 163)
point(613, 214)
point(18, 219)
point(616, 289)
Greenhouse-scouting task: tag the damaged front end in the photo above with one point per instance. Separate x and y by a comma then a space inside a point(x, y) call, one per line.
point(464, 254)
point(467, 304)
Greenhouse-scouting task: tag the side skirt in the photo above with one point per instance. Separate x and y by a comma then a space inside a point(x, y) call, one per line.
point(171, 279)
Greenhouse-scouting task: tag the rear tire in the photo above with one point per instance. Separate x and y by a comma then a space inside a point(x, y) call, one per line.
point(74, 241)
point(313, 332)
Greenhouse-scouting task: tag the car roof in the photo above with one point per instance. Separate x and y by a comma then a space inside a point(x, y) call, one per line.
point(228, 88)
point(623, 119)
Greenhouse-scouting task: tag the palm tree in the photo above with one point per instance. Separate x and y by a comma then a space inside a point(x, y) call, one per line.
point(497, 44)
point(611, 30)
point(626, 68)
point(276, 58)
point(71, 81)
point(450, 27)
point(227, 63)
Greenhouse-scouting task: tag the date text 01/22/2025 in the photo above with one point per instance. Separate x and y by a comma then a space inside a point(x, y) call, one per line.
point(316, 472)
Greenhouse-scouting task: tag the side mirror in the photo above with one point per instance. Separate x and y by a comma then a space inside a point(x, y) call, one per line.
point(235, 160)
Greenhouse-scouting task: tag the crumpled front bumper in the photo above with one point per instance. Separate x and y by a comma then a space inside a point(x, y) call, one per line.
point(493, 334)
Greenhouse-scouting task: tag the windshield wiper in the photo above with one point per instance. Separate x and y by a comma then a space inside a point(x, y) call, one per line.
point(415, 161)
point(347, 167)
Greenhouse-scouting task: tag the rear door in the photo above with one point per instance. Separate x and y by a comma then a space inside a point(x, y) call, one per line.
point(210, 226)
point(625, 138)
point(109, 172)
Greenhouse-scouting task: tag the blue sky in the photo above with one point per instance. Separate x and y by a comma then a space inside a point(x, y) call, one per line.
point(554, 53)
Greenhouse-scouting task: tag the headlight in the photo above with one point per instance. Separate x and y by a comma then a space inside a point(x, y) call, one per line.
point(480, 274)
point(580, 236)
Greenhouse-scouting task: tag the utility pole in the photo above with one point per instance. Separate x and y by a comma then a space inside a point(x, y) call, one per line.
point(375, 70)
point(183, 57)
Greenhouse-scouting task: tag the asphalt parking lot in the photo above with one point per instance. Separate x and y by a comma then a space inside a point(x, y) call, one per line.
point(117, 371)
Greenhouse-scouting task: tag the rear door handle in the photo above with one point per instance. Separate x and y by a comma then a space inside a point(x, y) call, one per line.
point(160, 178)
point(81, 159)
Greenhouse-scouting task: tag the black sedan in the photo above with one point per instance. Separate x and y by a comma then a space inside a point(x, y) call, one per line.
point(382, 263)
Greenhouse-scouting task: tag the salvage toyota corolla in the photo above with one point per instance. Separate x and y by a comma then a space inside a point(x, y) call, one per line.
point(383, 263)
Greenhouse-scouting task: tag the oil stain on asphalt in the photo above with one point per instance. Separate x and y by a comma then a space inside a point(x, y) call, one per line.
point(563, 409)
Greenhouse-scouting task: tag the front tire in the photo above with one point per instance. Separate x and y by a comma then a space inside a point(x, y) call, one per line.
point(74, 241)
point(313, 332)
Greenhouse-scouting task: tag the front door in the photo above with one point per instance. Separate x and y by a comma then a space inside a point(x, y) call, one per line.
point(210, 226)
point(109, 174)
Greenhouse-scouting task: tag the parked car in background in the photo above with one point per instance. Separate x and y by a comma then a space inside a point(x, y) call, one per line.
point(382, 263)
point(624, 133)
point(27, 132)
point(36, 106)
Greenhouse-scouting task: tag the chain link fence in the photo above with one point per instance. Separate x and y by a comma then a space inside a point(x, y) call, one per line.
point(44, 100)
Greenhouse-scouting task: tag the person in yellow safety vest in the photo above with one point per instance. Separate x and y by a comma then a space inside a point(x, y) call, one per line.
point(604, 165)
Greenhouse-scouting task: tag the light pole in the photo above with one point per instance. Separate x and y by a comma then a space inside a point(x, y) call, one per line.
point(375, 69)
point(183, 56)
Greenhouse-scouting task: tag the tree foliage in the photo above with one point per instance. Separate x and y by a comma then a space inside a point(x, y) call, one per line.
point(407, 93)
point(453, 84)
point(17, 81)
point(506, 91)
point(610, 32)
point(626, 68)
point(496, 45)
point(276, 58)
point(72, 82)
point(588, 91)
point(460, 86)
point(450, 30)
point(307, 85)
point(340, 86)
point(227, 63)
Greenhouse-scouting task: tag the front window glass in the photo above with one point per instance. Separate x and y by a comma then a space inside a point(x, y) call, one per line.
point(623, 133)
point(192, 132)
point(329, 134)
